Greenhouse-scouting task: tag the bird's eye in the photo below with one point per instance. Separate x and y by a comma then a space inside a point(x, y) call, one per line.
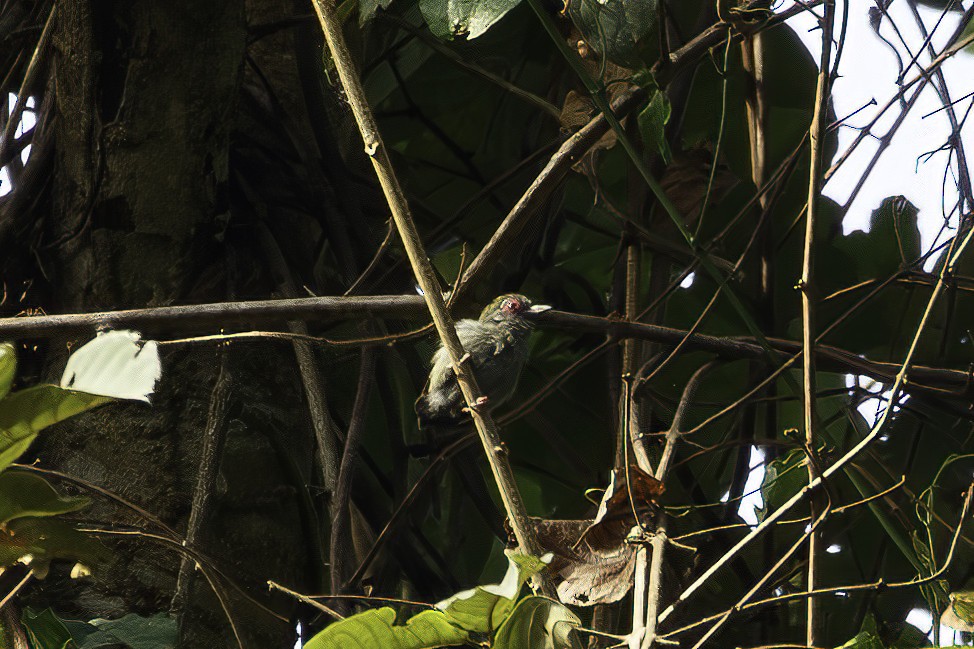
point(512, 306)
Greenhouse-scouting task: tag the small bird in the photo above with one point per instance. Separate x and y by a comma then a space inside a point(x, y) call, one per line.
point(498, 348)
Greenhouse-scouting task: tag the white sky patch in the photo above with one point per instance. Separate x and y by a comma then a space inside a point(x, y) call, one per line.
point(872, 408)
point(28, 119)
point(300, 640)
point(751, 502)
point(688, 280)
point(921, 619)
point(868, 71)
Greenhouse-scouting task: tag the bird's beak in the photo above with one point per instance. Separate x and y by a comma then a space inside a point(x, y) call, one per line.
point(539, 308)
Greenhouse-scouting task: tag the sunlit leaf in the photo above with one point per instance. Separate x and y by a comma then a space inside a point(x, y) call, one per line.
point(451, 19)
point(376, 629)
point(116, 364)
point(539, 623)
point(25, 413)
point(8, 367)
point(484, 608)
point(24, 494)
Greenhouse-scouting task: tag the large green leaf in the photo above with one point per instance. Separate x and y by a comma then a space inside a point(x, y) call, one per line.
point(892, 243)
point(38, 541)
point(615, 29)
point(652, 123)
point(45, 630)
point(376, 629)
point(25, 413)
point(484, 608)
point(867, 638)
point(8, 367)
point(25, 494)
point(539, 623)
point(450, 19)
point(131, 631)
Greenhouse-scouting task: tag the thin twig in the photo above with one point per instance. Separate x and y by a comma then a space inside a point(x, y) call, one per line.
point(895, 391)
point(13, 591)
point(659, 539)
point(876, 585)
point(273, 585)
point(341, 537)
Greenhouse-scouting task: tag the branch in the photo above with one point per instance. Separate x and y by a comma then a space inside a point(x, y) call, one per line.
point(423, 271)
point(816, 138)
point(942, 381)
point(659, 539)
point(341, 536)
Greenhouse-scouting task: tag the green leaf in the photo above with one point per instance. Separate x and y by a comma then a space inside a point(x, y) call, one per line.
point(37, 541)
point(892, 243)
point(615, 28)
point(484, 608)
point(538, 623)
point(24, 494)
point(8, 367)
point(449, 19)
point(376, 629)
point(652, 124)
point(25, 413)
point(959, 614)
point(783, 478)
point(117, 364)
point(45, 630)
point(867, 638)
point(133, 631)
point(367, 9)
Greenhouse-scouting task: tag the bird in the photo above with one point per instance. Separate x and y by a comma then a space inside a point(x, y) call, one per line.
point(497, 343)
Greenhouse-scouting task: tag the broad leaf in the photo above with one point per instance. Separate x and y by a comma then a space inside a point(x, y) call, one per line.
point(133, 632)
point(451, 19)
point(45, 630)
point(539, 623)
point(614, 29)
point(25, 413)
point(8, 367)
point(376, 629)
point(652, 123)
point(24, 494)
point(37, 541)
point(484, 608)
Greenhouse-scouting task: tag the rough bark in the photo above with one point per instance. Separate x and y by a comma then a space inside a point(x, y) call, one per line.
point(146, 94)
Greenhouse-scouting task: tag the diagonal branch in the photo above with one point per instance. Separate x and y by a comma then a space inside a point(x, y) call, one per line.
point(422, 269)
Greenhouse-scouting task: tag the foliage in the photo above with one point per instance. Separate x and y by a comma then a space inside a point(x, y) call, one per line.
point(48, 631)
point(476, 104)
point(495, 612)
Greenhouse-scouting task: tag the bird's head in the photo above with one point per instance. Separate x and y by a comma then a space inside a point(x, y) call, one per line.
point(510, 308)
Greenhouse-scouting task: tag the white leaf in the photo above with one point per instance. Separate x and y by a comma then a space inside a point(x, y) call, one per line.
point(117, 364)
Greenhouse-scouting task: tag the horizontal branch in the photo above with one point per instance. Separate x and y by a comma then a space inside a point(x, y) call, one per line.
point(412, 307)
